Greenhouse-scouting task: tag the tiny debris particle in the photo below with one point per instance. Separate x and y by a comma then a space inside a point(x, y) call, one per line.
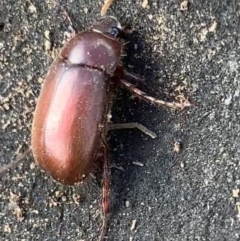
point(131, 239)
point(40, 80)
point(47, 43)
point(32, 165)
point(14, 206)
point(150, 16)
point(106, 6)
point(235, 193)
point(133, 226)
point(144, 3)
point(76, 198)
point(32, 8)
point(228, 100)
point(57, 194)
point(35, 211)
point(203, 34)
point(176, 146)
point(205, 31)
point(127, 204)
point(7, 228)
point(6, 106)
point(85, 10)
point(236, 93)
point(238, 209)
point(138, 164)
point(184, 5)
point(213, 27)
point(52, 203)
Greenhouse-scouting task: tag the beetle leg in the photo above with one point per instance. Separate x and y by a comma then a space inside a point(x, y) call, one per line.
point(72, 31)
point(132, 125)
point(106, 6)
point(105, 192)
point(128, 76)
point(134, 77)
point(14, 163)
point(175, 105)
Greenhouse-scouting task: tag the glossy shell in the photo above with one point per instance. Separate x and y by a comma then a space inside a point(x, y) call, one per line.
point(70, 118)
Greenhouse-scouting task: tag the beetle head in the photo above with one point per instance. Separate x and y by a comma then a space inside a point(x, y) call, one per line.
point(107, 25)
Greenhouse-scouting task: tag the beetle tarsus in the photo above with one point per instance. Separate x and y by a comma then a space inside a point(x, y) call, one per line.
point(174, 105)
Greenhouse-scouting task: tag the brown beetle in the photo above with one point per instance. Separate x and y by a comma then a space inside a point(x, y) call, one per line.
point(69, 124)
point(71, 118)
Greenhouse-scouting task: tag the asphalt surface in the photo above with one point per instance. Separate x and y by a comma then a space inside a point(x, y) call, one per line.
point(189, 195)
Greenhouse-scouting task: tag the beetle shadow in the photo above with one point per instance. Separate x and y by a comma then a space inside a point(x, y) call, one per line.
point(131, 146)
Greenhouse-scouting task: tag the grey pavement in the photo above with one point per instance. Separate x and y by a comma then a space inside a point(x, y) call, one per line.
point(187, 196)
